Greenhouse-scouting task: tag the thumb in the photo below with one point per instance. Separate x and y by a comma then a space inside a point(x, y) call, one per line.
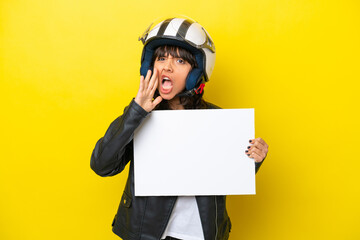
point(157, 100)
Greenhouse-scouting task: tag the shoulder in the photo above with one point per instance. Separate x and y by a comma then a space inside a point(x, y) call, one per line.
point(211, 106)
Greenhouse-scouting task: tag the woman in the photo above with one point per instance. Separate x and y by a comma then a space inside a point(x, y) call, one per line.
point(181, 56)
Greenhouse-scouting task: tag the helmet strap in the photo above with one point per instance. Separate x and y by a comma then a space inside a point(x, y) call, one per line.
point(192, 92)
point(200, 89)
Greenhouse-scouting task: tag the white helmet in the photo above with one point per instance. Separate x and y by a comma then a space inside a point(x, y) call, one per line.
point(188, 34)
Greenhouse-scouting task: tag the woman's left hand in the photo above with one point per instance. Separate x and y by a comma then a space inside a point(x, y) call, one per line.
point(258, 150)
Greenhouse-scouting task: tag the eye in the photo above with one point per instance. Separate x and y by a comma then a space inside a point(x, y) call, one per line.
point(180, 60)
point(161, 58)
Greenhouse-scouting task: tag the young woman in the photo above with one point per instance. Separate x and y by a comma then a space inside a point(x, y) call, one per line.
point(177, 60)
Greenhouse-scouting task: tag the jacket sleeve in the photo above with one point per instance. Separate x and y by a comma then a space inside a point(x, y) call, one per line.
point(257, 165)
point(113, 151)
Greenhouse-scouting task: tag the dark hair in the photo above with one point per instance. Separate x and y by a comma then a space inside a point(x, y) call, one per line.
point(194, 102)
point(177, 52)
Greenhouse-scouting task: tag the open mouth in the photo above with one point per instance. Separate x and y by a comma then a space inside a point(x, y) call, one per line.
point(166, 84)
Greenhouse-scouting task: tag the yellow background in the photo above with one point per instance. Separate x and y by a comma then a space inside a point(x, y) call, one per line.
point(68, 68)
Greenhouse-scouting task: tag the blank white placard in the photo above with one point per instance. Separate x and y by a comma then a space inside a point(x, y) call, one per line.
point(194, 152)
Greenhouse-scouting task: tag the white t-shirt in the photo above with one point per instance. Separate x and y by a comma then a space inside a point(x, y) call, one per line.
point(184, 222)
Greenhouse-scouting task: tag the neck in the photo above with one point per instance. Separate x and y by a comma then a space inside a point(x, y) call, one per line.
point(174, 104)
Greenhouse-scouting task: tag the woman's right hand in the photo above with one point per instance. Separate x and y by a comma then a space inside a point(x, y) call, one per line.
point(146, 92)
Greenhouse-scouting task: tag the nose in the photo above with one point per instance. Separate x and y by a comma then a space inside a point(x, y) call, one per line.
point(168, 65)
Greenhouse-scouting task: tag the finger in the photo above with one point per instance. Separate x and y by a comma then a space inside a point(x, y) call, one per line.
point(258, 144)
point(157, 101)
point(257, 155)
point(256, 141)
point(258, 151)
point(148, 75)
point(141, 87)
point(152, 91)
point(147, 78)
point(260, 140)
point(257, 158)
point(259, 147)
point(153, 80)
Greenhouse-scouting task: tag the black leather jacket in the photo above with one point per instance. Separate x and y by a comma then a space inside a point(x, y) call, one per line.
point(146, 217)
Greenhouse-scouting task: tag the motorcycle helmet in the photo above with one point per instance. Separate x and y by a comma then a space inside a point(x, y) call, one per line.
point(185, 33)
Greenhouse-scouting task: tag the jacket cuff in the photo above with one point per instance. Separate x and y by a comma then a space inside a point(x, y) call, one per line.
point(138, 108)
point(257, 165)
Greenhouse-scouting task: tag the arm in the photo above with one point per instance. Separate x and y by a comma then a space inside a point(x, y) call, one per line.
point(258, 151)
point(113, 151)
point(257, 165)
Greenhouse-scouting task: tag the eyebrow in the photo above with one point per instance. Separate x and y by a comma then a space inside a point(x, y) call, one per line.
point(173, 57)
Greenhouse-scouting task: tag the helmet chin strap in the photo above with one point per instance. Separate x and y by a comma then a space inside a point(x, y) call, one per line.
point(187, 93)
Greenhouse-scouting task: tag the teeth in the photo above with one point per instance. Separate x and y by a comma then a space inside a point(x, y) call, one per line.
point(166, 78)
